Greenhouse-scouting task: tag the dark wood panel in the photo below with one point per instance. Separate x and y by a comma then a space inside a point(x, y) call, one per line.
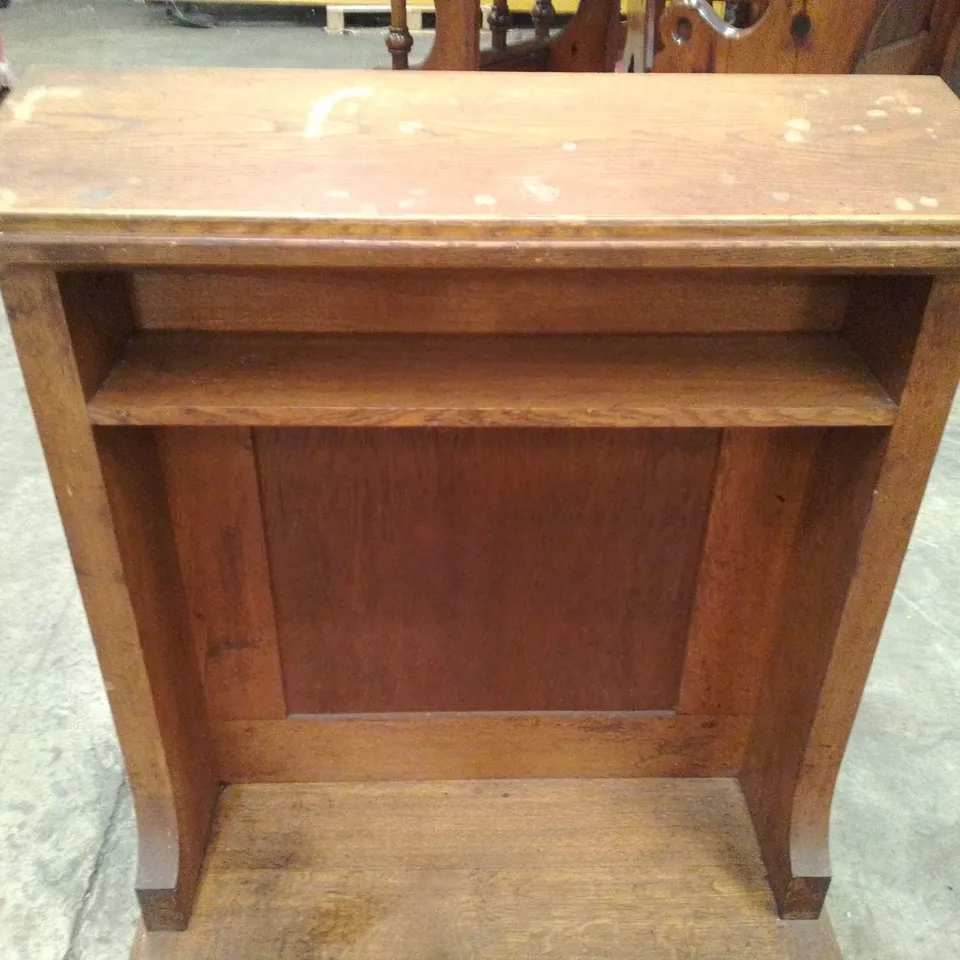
point(211, 483)
point(505, 870)
point(550, 381)
point(480, 301)
point(483, 570)
point(479, 746)
point(757, 499)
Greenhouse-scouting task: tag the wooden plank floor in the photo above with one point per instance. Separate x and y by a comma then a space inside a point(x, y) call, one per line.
point(491, 870)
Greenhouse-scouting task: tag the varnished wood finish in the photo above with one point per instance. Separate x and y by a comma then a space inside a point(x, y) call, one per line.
point(505, 870)
point(483, 570)
point(865, 490)
point(212, 486)
point(478, 301)
point(475, 746)
point(307, 139)
point(664, 434)
point(757, 498)
point(456, 44)
point(109, 505)
point(195, 379)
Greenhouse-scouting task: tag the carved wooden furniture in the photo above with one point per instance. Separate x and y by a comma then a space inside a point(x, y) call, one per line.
point(484, 564)
point(805, 36)
point(590, 42)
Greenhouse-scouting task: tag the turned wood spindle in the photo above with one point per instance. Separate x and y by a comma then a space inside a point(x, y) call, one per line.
point(543, 14)
point(500, 20)
point(399, 41)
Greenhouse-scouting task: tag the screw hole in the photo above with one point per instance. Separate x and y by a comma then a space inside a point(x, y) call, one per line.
point(683, 31)
point(800, 27)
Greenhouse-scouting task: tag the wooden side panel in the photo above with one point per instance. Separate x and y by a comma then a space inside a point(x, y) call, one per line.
point(483, 570)
point(866, 487)
point(481, 301)
point(757, 498)
point(116, 525)
point(211, 481)
point(477, 746)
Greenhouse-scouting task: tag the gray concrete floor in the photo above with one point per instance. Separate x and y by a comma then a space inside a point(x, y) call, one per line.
point(66, 830)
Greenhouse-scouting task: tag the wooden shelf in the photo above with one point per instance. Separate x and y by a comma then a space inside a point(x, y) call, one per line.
point(174, 379)
point(492, 870)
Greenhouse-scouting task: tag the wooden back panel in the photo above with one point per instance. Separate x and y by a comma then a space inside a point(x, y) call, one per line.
point(481, 301)
point(475, 570)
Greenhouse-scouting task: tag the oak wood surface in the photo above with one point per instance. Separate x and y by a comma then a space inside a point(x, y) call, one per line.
point(479, 746)
point(212, 487)
point(506, 869)
point(864, 494)
point(342, 156)
point(757, 499)
point(107, 505)
point(196, 379)
point(483, 570)
point(485, 301)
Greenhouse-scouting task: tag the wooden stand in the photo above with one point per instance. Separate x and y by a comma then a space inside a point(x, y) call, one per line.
point(485, 564)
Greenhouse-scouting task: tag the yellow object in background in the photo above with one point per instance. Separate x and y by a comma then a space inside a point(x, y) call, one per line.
point(720, 6)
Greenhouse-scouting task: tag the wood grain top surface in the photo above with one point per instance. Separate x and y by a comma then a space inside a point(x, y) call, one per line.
point(408, 155)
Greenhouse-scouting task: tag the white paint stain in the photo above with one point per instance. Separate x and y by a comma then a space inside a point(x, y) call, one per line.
point(781, 196)
point(23, 110)
point(322, 108)
point(915, 111)
point(793, 136)
point(7, 198)
point(930, 202)
point(368, 210)
point(854, 128)
point(338, 195)
point(880, 101)
point(903, 204)
point(569, 146)
point(799, 123)
point(134, 181)
point(823, 91)
point(406, 204)
point(409, 126)
point(484, 200)
point(876, 113)
point(542, 191)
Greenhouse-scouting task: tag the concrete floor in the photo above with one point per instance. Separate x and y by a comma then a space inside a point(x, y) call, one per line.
point(66, 830)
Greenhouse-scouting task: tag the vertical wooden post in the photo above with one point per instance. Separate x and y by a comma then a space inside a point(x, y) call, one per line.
point(399, 41)
point(110, 495)
point(499, 20)
point(543, 15)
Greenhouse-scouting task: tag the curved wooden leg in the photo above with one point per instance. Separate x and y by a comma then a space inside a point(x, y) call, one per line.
point(591, 42)
point(457, 36)
point(111, 502)
point(863, 496)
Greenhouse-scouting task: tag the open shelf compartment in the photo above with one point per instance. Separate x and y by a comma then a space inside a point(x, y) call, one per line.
point(170, 379)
